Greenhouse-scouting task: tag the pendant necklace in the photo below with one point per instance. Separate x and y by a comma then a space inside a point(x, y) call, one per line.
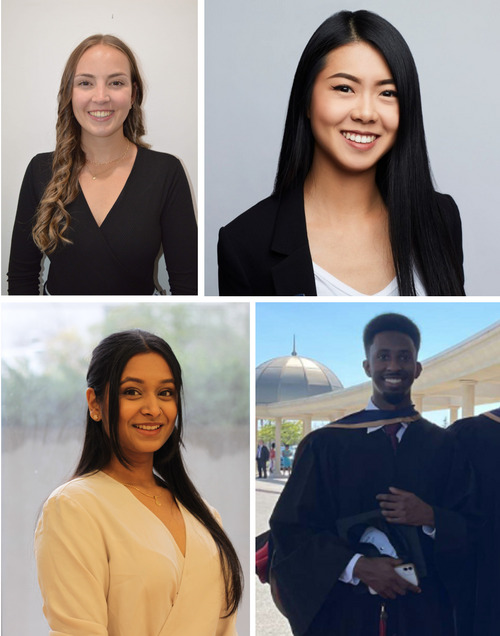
point(155, 497)
point(105, 163)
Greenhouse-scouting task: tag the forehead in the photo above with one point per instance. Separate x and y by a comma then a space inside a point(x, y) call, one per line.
point(357, 58)
point(103, 58)
point(147, 366)
point(394, 341)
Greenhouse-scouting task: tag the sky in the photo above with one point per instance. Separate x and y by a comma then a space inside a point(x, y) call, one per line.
point(331, 332)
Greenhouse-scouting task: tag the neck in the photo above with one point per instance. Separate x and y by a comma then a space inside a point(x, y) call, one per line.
point(339, 193)
point(140, 472)
point(102, 149)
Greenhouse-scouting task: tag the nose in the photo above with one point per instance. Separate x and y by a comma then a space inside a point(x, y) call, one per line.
point(364, 110)
point(100, 93)
point(393, 363)
point(151, 407)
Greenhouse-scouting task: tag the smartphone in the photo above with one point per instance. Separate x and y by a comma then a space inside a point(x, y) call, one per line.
point(406, 571)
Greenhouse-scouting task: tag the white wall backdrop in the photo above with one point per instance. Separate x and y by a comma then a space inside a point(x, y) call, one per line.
point(37, 38)
point(252, 50)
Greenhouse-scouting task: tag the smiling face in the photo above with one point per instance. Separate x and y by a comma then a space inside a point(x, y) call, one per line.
point(102, 91)
point(147, 403)
point(354, 110)
point(392, 365)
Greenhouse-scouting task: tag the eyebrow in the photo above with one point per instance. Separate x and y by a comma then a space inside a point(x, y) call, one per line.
point(358, 81)
point(109, 76)
point(139, 381)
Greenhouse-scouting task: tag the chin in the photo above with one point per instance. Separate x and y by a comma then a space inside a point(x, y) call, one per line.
point(394, 398)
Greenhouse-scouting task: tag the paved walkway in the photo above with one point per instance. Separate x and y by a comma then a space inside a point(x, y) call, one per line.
point(269, 621)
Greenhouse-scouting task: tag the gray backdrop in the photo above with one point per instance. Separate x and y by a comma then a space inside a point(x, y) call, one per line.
point(251, 52)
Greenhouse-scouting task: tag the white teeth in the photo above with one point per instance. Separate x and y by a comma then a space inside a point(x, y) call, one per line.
point(360, 139)
point(393, 380)
point(101, 113)
point(145, 427)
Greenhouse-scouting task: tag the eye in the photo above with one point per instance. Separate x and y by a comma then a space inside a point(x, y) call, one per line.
point(389, 93)
point(343, 88)
point(84, 83)
point(131, 392)
point(167, 393)
point(117, 83)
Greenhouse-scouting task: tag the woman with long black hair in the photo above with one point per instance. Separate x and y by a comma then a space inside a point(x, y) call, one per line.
point(354, 211)
point(128, 546)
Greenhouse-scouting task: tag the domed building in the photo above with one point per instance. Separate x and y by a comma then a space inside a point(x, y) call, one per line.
point(293, 377)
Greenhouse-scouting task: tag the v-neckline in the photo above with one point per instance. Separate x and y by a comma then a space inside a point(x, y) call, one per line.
point(143, 506)
point(120, 194)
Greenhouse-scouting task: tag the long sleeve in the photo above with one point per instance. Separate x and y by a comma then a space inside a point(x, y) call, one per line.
point(25, 258)
point(309, 555)
point(179, 234)
point(72, 567)
point(233, 280)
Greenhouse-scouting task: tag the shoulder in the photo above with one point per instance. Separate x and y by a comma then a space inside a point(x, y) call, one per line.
point(260, 217)
point(40, 167)
point(155, 159)
point(80, 490)
point(449, 211)
point(470, 426)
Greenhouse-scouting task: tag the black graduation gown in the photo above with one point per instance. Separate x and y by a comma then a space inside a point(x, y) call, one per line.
point(480, 438)
point(337, 474)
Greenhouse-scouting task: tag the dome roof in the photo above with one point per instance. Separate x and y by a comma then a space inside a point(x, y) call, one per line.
point(293, 377)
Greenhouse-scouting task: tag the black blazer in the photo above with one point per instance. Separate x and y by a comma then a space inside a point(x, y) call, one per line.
point(265, 251)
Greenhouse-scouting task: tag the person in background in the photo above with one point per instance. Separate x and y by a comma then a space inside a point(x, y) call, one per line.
point(479, 438)
point(262, 458)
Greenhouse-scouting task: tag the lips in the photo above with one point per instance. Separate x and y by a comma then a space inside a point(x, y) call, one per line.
point(148, 427)
point(100, 114)
point(359, 138)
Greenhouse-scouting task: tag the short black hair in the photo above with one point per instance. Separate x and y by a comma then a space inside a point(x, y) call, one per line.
point(390, 322)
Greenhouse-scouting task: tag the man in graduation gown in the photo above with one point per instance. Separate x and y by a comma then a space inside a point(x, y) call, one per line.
point(480, 438)
point(414, 479)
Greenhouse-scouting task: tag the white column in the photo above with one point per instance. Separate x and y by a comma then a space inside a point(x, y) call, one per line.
point(418, 400)
point(306, 425)
point(277, 439)
point(468, 388)
point(453, 414)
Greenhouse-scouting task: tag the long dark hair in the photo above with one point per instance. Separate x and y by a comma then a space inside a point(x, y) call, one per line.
point(104, 374)
point(418, 231)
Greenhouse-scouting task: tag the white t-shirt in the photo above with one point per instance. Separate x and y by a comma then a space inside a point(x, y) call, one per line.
point(329, 285)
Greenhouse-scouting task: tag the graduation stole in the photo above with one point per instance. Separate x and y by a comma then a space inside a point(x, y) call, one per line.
point(377, 417)
point(493, 415)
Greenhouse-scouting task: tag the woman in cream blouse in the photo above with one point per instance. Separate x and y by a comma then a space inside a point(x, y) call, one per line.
point(128, 547)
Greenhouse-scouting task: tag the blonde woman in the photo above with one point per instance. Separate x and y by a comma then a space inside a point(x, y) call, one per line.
point(102, 204)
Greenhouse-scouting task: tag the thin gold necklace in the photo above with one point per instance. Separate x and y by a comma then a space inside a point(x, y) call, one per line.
point(105, 163)
point(155, 497)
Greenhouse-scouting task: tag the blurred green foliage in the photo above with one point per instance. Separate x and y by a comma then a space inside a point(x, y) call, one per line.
point(291, 432)
point(43, 384)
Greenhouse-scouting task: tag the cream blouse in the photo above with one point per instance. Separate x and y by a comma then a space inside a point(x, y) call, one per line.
point(107, 566)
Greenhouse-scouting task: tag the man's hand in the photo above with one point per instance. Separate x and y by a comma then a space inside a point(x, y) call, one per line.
point(380, 575)
point(401, 506)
